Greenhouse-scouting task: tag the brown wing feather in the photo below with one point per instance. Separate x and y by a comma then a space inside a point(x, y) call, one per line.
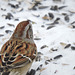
point(15, 53)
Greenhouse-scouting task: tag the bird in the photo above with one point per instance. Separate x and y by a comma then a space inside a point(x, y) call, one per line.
point(19, 52)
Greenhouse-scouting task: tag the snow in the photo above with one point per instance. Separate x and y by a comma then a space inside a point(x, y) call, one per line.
point(62, 32)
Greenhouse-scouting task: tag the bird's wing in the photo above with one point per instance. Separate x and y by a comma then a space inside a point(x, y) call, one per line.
point(17, 53)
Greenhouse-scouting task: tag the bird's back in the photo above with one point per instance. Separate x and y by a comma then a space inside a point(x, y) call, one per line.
point(16, 53)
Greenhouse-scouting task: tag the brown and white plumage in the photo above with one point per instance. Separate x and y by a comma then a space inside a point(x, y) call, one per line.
point(18, 53)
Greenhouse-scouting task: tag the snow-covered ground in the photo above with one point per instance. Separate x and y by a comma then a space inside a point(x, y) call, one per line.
point(56, 46)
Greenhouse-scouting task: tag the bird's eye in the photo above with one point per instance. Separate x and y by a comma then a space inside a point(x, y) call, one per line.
point(29, 27)
point(15, 35)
